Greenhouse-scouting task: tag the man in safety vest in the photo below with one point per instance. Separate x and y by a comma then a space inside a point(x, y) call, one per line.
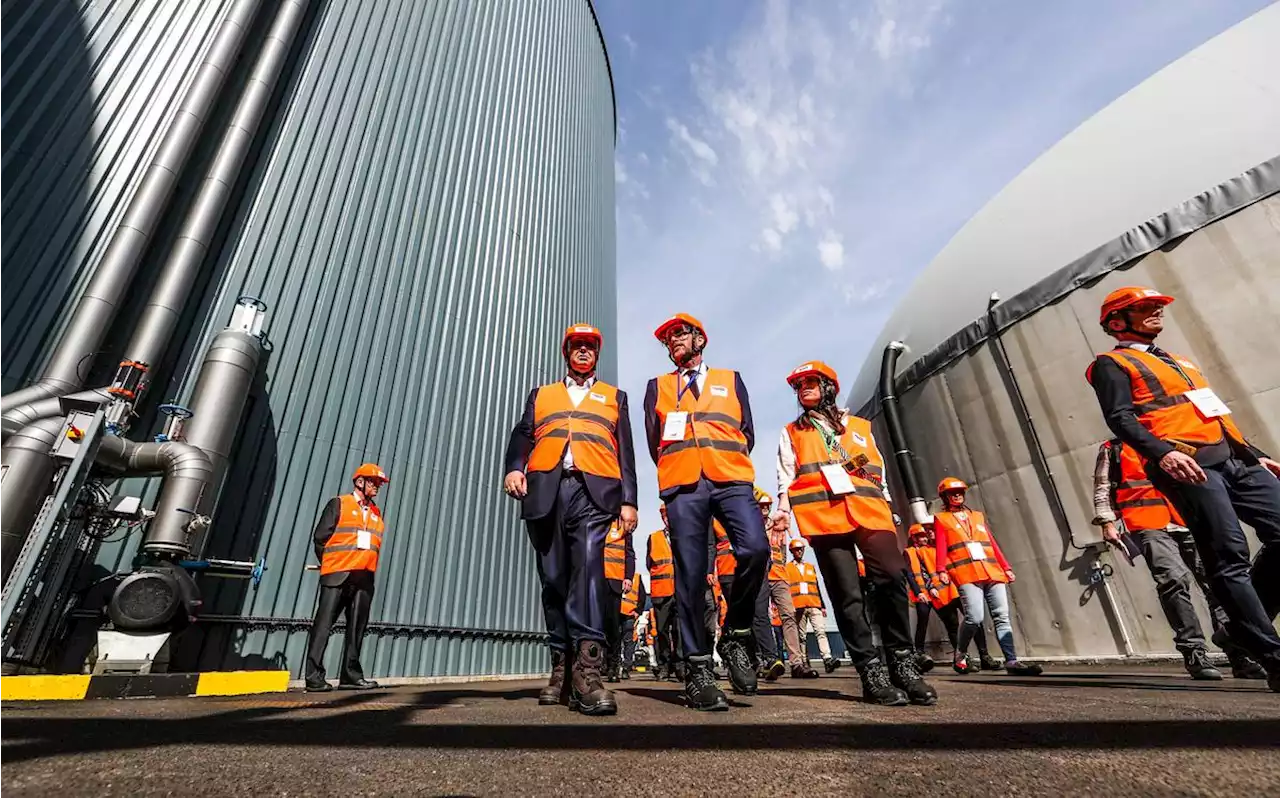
point(619, 574)
point(700, 434)
point(347, 538)
point(662, 592)
point(1162, 406)
point(779, 588)
point(767, 654)
point(931, 596)
point(570, 462)
point(807, 600)
point(1122, 492)
point(632, 602)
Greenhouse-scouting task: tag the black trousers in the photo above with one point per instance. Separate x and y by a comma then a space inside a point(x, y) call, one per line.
point(1248, 592)
point(353, 597)
point(689, 514)
point(949, 614)
point(569, 544)
point(886, 572)
point(762, 628)
point(628, 642)
point(613, 620)
point(666, 643)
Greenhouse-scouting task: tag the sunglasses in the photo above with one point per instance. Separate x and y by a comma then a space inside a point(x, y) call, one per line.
point(679, 332)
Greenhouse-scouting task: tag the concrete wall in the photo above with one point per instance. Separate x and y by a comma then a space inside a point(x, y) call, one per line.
point(962, 422)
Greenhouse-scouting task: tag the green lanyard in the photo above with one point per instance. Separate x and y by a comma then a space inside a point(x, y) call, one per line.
point(835, 450)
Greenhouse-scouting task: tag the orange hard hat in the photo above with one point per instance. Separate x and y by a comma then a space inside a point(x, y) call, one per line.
point(796, 543)
point(950, 484)
point(1128, 296)
point(813, 368)
point(581, 330)
point(916, 529)
point(676, 320)
point(370, 471)
point(762, 497)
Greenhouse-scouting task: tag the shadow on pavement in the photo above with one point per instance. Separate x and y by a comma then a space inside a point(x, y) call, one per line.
point(1170, 685)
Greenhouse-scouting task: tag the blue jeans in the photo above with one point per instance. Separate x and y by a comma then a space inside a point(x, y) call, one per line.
point(975, 598)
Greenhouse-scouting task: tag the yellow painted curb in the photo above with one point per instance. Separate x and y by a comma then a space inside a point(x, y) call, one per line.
point(43, 688)
point(242, 682)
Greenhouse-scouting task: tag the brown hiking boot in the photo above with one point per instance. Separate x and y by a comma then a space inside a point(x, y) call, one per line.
point(556, 691)
point(589, 695)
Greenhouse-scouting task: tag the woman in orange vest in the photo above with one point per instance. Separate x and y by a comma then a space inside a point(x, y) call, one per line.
point(662, 590)
point(570, 463)
point(348, 538)
point(619, 575)
point(932, 596)
point(831, 477)
point(967, 556)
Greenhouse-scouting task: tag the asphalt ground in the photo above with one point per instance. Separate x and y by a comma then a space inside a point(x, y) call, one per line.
point(1073, 731)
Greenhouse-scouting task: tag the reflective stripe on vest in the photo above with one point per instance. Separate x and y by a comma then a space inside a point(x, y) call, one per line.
point(817, 510)
point(631, 599)
point(714, 445)
point(1160, 401)
point(1140, 505)
point(962, 568)
point(343, 552)
point(589, 430)
point(777, 557)
point(806, 597)
point(662, 570)
point(923, 561)
point(615, 553)
point(726, 563)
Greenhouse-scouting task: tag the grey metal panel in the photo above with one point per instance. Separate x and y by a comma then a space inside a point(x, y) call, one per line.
point(434, 206)
point(89, 89)
point(961, 420)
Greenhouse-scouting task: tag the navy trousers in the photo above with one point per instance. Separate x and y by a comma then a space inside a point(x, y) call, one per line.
point(689, 514)
point(1249, 594)
point(569, 546)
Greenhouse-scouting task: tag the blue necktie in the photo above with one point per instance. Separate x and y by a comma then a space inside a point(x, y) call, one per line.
point(692, 385)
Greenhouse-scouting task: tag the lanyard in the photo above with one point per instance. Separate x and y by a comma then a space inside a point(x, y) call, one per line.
point(686, 384)
point(835, 450)
point(964, 525)
point(364, 513)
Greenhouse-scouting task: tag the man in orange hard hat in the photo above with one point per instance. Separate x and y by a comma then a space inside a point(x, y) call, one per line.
point(347, 538)
point(571, 464)
point(1162, 405)
point(700, 434)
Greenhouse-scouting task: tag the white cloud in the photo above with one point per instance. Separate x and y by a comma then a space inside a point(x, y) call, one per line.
point(784, 216)
point(831, 251)
point(772, 239)
point(885, 40)
point(631, 43)
point(619, 171)
point(698, 154)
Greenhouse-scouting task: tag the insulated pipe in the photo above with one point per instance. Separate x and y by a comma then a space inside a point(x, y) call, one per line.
point(28, 480)
point(113, 276)
point(169, 297)
point(188, 475)
point(897, 433)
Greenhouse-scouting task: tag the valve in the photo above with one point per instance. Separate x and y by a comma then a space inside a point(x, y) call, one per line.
point(173, 428)
point(75, 433)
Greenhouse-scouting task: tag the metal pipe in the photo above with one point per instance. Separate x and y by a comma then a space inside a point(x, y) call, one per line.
point(187, 477)
point(160, 317)
point(28, 479)
point(897, 433)
point(113, 276)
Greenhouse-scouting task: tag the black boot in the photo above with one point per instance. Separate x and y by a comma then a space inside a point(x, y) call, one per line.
point(1016, 668)
point(989, 663)
point(831, 663)
point(1244, 666)
point(556, 690)
point(700, 690)
point(906, 675)
point(924, 662)
point(1201, 669)
point(734, 651)
point(589, 695)
point(877, 687)
point(803, 672)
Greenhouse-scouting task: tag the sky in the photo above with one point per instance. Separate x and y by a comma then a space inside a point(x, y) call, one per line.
point(785, 169)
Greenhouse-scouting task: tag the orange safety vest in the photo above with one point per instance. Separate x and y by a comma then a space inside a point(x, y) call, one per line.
point(862, 566)
point(714, 445)
point(962, 566)
point(726, 563)
point(804, 586)
point(722, 606)
point(356, 540)
point(615, 553)
point(774, 618)
point(651, 629)
point(662, 569)
point(923, 561)
point(589, 430)
point(631, 599)
point(777, 557)
point(1140, 505)
point(1160, 398)
point(817, 510)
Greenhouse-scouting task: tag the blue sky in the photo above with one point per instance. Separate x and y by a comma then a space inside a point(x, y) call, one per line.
point(785, 169)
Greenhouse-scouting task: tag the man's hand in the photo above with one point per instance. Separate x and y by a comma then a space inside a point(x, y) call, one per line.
point(824, 612)
point(1183, 467)
point(626, 585)
point(1009, 573)
point(629, 518)
point(942, 578)
point(1270, 465)
point(711, 580)
point(515, 485)
point(1112, 535)
point(933, 591)
point(781, 521)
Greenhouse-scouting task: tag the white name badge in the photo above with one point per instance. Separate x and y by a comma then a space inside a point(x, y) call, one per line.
point(674, 427)
point(719, 390)
point(1207, 403)
point(804, 588)
point(837, 479)
point(364, 539)
point(976, 551)
point(598, 397)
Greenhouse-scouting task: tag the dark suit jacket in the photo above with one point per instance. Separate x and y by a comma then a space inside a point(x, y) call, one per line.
point(607, 494)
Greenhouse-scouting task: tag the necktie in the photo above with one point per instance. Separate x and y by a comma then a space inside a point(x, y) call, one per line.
point(692, 385)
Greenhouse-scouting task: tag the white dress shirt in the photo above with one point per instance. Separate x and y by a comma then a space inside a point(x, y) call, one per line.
point(576, 394)
point(787, 462)
point(701, 371)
